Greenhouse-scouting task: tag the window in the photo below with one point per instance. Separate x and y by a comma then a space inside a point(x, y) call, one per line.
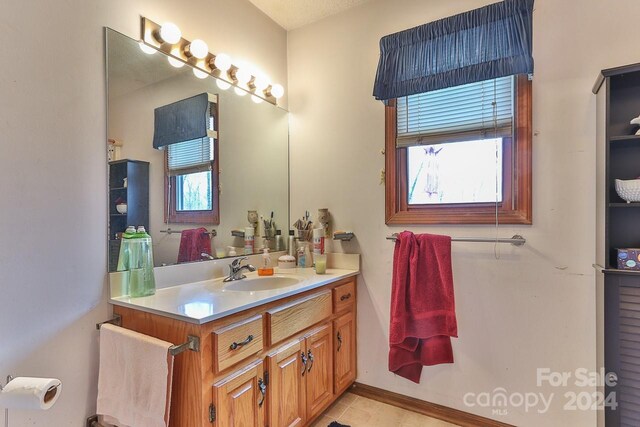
point(191, 179)
point(460, 155)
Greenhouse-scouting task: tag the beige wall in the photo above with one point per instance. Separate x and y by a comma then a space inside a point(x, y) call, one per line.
point(534, 307)
point(53, 174)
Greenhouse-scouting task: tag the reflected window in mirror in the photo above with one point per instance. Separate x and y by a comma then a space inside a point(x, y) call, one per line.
point(191, 179)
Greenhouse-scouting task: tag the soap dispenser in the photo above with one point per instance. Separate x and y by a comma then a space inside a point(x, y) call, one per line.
point(266, 269)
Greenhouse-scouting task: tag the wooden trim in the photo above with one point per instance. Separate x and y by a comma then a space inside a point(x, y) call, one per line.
point(433, 410)
point(516, 205)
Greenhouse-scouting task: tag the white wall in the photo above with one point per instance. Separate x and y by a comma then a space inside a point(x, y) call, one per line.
point(534, 307)
point(53, 174)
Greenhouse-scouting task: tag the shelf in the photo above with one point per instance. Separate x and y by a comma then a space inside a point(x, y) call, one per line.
point(618, 271)
point(345, 237)
point(625, 205)
point(118, 188)
point(625, 138)
point(118, 214)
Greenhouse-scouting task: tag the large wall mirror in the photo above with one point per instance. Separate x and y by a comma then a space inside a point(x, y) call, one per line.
point(210, 184)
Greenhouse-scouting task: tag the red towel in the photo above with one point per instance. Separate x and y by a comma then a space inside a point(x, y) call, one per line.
point(423, 318)
point(192, 244)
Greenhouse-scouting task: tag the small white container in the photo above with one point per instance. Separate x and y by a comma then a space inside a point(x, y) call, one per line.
point(286, 262)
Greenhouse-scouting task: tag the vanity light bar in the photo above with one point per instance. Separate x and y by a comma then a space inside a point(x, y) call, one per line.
point(167, 38)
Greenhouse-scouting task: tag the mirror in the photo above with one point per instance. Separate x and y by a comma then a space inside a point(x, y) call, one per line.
point(252, 164)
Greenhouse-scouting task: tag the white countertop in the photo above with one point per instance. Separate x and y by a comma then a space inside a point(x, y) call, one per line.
point(202, 302)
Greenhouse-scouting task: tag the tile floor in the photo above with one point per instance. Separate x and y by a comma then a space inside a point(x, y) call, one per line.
point(358, 411)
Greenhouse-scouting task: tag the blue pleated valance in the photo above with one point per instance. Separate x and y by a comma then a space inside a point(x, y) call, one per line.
point(181, 121)
point(482, 44)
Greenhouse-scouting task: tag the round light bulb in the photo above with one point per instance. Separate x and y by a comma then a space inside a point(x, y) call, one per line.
point(199, 49)
point(170, 33)
point(200, 74)
point(222, 62)
point(222, 84)
point(261, 83)
point(243, 76)
point(256, 99)
point(146, 49)
point(277, 91)
point(239, 91)
point(175, 62)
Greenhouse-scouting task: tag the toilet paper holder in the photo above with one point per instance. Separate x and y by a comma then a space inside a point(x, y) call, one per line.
point(9, 378)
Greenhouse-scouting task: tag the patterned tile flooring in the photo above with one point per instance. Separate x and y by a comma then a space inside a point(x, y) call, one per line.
point(358, 411)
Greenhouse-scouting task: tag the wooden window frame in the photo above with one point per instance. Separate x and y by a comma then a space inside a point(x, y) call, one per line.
point(515, 207)
point(212, 216)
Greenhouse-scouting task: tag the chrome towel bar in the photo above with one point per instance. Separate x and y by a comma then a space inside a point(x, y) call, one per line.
point(193, 342)
point(516, 240)
point(212, 233)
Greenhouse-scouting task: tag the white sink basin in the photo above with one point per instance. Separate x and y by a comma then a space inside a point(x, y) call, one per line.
point(264, 283)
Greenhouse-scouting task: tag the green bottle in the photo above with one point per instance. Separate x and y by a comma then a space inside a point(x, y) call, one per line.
point(136, 258)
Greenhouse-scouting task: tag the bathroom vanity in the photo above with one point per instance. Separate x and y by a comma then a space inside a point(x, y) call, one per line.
point(274, 351)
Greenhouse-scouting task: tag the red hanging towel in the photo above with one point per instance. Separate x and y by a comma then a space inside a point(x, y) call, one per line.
point(423, 318)
point(192, 244)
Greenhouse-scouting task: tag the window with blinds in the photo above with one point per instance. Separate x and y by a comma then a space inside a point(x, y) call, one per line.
point(190, 156)
point(469, 112)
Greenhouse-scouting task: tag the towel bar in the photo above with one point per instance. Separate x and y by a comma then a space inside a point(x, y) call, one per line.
point(515, 240)
point(117, 320)
point(212, 233)
point(193, 342)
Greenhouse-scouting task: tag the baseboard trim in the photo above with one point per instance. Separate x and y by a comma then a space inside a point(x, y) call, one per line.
point(433, 410)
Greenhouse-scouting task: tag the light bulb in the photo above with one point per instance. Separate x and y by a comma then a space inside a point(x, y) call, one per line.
point(175, 62)
point(146, 49)
point(200, 74)
point(243, 76)
point(256, 99)
point(277, 91)
point(261, 83)
point(239, 91)
point(222, 84)
point(170, 33)
point(222, 62)
point(199, 49)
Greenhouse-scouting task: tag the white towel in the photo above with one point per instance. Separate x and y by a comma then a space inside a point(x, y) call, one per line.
point(134, 382)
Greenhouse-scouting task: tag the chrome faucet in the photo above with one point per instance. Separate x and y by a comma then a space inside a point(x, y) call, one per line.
point(235, 269)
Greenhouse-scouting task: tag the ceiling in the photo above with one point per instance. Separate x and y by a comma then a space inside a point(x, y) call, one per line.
point(291, 14)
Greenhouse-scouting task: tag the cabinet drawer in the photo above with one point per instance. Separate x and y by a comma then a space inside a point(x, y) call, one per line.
point(237, 341)
point(292, 318)
point(344, 296)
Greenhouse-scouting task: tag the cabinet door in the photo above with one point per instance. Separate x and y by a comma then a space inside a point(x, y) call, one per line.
point(344, 332)
point(319, 382)
point(240, 398)
point(286, 397)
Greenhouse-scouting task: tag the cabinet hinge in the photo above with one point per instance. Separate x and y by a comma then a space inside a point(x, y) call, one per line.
point(212, 413)
point(266, 377)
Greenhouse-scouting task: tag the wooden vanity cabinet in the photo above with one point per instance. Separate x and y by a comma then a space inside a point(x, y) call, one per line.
point(344, 331)
point(241, 398)
point(277, 365)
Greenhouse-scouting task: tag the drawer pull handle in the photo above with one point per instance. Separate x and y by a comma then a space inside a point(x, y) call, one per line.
point(339, 340)
point(303, 357)
point(235, 345)
point(263, 391)
point(310, 361)
point(345, 297)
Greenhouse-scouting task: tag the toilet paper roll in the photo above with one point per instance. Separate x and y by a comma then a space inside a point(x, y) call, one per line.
point(30, 393)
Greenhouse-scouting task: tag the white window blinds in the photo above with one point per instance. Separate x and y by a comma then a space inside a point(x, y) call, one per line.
point(190, 156)
point(460, 113)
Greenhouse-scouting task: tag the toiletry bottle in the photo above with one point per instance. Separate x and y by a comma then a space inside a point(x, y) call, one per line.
point(308, 262)
point(301, 257)
point(318, 241)
point(266, 269)
point(248, 240)
point(279, 243)
point(231, 251)
point(292, 244)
